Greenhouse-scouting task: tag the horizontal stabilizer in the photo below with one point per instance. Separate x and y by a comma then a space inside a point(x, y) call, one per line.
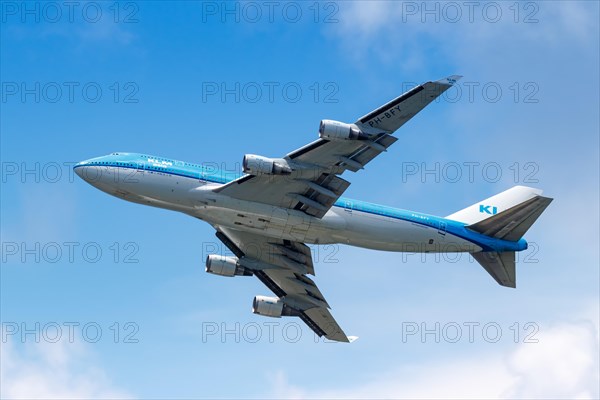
point(501, 266)
point(512, 224)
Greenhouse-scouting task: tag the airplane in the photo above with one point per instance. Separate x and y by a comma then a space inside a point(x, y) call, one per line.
point(267, 215)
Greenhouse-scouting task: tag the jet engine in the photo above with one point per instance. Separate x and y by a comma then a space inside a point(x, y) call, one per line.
point(225, 266)
point(335, 130)
point(267, 306)
point(272, 307)
point(257, 165)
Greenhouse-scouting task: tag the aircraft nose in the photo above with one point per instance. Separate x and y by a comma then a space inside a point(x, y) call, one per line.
point(78, 169)
point(95, 172)
point(89, 171)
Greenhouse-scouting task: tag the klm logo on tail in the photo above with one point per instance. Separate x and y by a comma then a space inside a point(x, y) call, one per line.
point(486, 209)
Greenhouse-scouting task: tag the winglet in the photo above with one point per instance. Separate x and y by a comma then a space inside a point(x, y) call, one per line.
point(352, 338)
point(451, 80)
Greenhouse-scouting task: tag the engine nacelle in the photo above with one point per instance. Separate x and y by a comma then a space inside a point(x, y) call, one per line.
point(224, 266)
point(272, 307)
point(258, 165)
point(335, 130)
point(267, 306)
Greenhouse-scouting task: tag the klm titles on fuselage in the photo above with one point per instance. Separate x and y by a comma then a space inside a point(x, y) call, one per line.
point(159, 163)
point(388, 114)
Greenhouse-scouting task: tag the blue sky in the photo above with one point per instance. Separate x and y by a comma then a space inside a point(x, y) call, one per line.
point(209, 82)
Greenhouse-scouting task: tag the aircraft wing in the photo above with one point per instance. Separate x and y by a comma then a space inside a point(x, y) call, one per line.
point(314, 183)
point(283, 265)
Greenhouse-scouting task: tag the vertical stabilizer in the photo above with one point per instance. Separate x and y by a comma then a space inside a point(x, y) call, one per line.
point(495, 204)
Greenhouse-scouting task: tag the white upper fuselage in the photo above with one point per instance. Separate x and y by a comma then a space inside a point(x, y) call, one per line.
point(189, 188)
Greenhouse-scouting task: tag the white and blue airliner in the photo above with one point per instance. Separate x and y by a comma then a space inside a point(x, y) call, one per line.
point(267, 215)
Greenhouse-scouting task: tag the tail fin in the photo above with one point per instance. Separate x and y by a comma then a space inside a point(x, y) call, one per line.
point(512, 224)
point(505, 216)
point(495, 204)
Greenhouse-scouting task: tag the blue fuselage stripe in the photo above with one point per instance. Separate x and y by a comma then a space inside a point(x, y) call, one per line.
point(197, 172)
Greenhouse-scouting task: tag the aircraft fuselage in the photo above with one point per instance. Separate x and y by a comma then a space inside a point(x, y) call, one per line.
point(189, 188)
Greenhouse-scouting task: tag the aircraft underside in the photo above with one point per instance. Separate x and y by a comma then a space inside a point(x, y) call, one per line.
point(339, 225)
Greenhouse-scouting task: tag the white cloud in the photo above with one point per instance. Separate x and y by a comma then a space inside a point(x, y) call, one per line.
point(58, 370)
point(563, 364)
point(416, 35)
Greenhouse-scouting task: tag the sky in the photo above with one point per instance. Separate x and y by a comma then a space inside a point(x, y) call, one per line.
point(101, 298)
